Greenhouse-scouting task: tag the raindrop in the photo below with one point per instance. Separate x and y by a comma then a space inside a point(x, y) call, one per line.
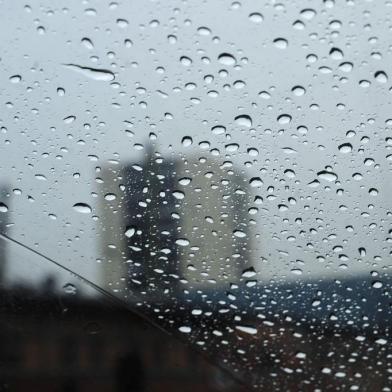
point(15, 79)
point(239, 233)
point(83, 208)
point(69, 119)
point(3, 207)
point(204, 31)
point(122, 23)
point(185, 329)
point(327, 176)
point(308, 13)
point(226, 59)
point(185, 61)
point(130, 231)
point(377, 284)
point(256, 17)
point(69, 288)
point(249, 273)
point(246, 329)
point(255, 182)
point(218, 130)
point(87, 43)
point(381, 77)
point(178, 195)
point(92, 73)
point(182, 242)
point(243, 121)
point(281, 43)
point(186, 141)
point(284, 119)
point(298, 91)
point(336, 54)
point(110, 197)
point(345, 148)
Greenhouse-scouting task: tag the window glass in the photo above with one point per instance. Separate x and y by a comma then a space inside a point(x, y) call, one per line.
point(221, 168)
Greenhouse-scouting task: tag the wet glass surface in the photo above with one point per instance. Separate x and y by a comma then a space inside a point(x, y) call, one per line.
point(221, 168)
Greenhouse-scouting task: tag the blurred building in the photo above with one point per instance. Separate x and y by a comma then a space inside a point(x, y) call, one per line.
point(178, 223)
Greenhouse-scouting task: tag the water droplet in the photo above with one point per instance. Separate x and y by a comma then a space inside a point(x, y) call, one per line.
point(308, 13)
point(255, 182)
point(185, 181)
point(87, 43)
point(92, 73)
point(15, 79)
point(185, 329)
point(3, 207)
point(83, 208)
point(246, 329)
point(281, 43)
point(327, 176)
point(185, 61)
point(249, 273)
point(226, 59)
point(69, 119)
point(69, 288)
point(298, 91)
point(218, 130)
point(239, 233)
point(381, 77)
point(178, 195)
point(182, 242)
point(243, 120)
point(345, 148)
point(204, 31)
point(377, 284)
point(284, 119)
point(110, 197)
point(130, 231)
point(122, 23)
point(336, 54)
point(186, 141)
point(256, 17)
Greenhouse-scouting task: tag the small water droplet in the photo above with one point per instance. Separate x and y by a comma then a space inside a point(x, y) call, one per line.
point(69, 288)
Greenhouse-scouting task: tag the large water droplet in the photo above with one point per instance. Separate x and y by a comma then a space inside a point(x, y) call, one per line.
point(327, 176)
point(246, 329)
point(83, 208)
point(226, 59)
point(92, 73)
point(345, 148)
point(243, 120)
point(185, 329)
